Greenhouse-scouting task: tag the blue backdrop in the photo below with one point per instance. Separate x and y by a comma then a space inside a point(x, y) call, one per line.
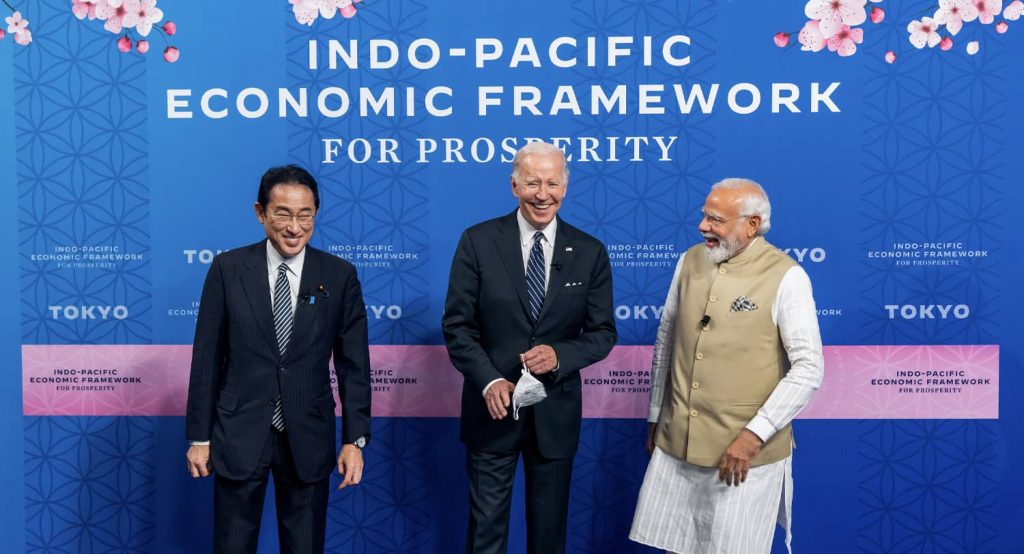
point(919, 151)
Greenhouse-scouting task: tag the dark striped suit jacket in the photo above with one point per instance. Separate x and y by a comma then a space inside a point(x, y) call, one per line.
point(237, 370)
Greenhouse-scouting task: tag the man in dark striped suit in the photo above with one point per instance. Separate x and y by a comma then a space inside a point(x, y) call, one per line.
point(259, 397)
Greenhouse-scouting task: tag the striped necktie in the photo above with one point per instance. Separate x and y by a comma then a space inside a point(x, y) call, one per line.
point(283, 328)
point(535, 276)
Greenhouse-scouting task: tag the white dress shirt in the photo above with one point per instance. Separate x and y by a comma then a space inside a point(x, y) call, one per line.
point(295, 263)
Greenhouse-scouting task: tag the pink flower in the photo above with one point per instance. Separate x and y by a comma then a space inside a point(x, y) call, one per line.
point(953, 13)
point(170, 28)
point(845, 41)
point(171, 54)
point(84, 8)
point(23, 37)
point(810, 37)
point(988, 10)
point(124, 44)
point(972, 48)
point(142, 47)
point(923, 32)
point(2, 34)
point(834, 13)
point(877, 14)
point(125, 15)
point(148, 15)
point(305, 10)
point(945, 44)
point(348, 9)
point(782, 40)
point(890, 56)
point(1014, 10)
point(1002, 27)
point(16, 23)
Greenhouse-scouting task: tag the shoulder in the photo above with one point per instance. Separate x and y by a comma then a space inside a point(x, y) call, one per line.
point(489, 227)
point(779, 257)
point(235, 256)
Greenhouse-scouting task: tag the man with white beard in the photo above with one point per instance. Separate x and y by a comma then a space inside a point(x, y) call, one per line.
point(737, 356)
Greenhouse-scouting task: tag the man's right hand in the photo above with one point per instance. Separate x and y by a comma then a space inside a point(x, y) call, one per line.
point(651, 428)
point(498, 397)
point(198, 457)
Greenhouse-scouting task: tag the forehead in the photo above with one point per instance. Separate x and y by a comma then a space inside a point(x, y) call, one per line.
point(723, 202)
point(542, 166)
point(291, 194)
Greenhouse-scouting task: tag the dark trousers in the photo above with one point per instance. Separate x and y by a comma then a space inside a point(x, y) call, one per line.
point(301, 507)
point(548, 481)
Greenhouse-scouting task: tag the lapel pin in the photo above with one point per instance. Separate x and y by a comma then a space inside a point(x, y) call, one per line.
point(568, 249)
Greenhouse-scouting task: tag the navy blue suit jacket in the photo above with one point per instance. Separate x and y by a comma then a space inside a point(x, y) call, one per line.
point(237, 370)
point(487, 325)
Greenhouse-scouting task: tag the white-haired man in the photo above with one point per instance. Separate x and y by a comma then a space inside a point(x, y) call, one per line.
point(738, 355)
point(528, 292)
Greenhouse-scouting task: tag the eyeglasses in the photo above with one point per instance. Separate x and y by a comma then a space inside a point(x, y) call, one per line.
point(284, 218)
point(717, 221)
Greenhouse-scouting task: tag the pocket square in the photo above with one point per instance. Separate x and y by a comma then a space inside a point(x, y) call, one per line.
point(573, 283)
point(742, 304)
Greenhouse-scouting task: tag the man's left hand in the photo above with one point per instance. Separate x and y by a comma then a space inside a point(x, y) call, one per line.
point(735, 462)
point(540, 359)
point(350, 465)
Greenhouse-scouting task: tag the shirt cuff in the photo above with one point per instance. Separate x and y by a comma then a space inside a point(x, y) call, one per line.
point(761, 427)
point(199, 443)
point(491, 383)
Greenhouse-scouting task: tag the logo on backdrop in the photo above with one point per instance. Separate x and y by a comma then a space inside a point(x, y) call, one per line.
point(88, 311)
point(926, 254)
point(653, 254)
point(87, 256)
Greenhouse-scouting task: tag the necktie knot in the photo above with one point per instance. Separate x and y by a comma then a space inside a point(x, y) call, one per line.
point(282, 269)
point(538, 237)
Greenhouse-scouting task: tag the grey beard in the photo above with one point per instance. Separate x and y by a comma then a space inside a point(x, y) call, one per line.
point(724, 251)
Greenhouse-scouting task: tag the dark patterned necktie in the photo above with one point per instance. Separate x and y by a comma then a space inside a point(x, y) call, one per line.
point(283, 328)
point(535, 276)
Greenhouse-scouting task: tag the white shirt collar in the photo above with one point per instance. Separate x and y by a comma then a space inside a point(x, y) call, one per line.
point(526, 230)
point(275, 259)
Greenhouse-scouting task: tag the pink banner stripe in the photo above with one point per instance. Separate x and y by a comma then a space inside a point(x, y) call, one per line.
point(861, 382)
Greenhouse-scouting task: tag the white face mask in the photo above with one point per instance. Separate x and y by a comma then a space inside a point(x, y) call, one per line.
point(528, 392)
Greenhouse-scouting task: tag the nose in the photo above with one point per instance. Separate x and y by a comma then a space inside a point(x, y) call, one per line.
point(542, 193)
point(704, 226)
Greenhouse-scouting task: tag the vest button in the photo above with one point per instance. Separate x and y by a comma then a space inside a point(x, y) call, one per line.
point(695, 385)
point(693, 413)
point(722, 271)
point(699, 356)
point(713, 298)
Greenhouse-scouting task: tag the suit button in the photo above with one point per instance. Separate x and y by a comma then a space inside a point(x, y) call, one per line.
point(713, 298)
point(722, 271)
point(699, 356)
point(695, 385)
point(693, 413)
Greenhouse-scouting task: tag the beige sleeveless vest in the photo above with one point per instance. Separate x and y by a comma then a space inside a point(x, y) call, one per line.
point(723, 372)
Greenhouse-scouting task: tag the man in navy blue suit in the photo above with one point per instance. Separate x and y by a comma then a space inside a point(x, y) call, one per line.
point(259, 399)
point(526, 290)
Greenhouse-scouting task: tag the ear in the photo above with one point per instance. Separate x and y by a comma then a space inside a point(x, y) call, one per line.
point(260, 216)
point(753, 224)
point(515, 190)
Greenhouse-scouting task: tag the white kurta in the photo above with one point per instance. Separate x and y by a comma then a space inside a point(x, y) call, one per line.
point(686, 508)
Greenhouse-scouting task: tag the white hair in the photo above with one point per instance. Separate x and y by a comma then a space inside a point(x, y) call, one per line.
point(752, 203)
point(543, 149)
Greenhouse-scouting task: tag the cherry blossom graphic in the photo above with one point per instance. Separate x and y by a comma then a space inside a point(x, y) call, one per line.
point(833, 23)
point(129, 19)
point(307, 11)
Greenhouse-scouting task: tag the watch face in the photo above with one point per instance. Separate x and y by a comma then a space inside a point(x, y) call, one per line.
point(360, 442)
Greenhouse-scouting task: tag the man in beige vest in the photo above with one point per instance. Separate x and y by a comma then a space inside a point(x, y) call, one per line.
point(738, 355)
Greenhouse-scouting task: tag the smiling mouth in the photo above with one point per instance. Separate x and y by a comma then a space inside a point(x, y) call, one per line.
point(541, 206)
point(711, 241)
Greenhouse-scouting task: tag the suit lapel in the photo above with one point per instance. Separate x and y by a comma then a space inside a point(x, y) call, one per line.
point(561, 265)
point(312, 276)
point(255, 281)
point(510, 250)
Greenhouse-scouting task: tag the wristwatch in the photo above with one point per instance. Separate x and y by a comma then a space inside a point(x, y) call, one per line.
point(360, 442)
